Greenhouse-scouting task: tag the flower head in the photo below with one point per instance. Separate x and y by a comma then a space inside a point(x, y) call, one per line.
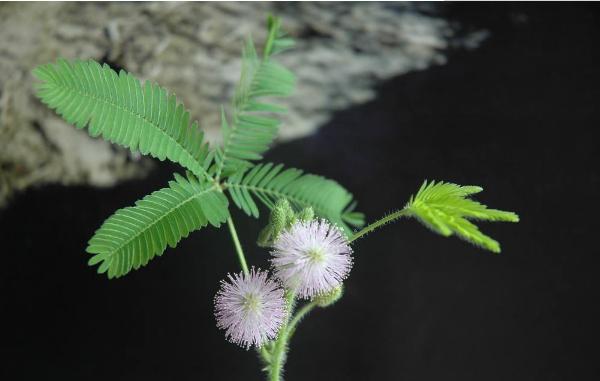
point(312, 257)
point(250, 308)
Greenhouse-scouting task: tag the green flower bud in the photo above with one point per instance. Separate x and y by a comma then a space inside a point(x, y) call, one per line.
point(282, 217)
point(328, 299)
point(306, 214)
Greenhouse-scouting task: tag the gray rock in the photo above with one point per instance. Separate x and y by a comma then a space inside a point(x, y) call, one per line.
point(193, 49)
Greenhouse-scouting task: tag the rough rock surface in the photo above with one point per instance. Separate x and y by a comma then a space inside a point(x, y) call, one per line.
point(193, 49)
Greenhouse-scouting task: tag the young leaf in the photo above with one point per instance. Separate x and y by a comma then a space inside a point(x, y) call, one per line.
point(269, 183)
point(134, 235)
point(250, 132)
point(118, 107)
point(445, 209)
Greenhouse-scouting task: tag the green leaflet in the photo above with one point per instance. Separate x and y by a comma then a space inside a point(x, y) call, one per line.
point(134, 235)
point(118, 107)
point(445, 209)
point(269, 183)
point(250, 130)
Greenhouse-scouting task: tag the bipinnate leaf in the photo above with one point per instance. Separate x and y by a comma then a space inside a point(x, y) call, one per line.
point(146, 118)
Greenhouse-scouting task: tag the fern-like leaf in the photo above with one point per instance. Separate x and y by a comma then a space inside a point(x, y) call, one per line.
point(134, 235)
point(251, 129)
point(445, 209)
point(118, 107)
point(269, 183)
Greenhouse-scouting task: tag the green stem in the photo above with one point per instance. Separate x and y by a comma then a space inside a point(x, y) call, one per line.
point(302, 312)
point(264, 353)
point(238, 246)
point(280, 346)
point(278, 356)
point(379, 223)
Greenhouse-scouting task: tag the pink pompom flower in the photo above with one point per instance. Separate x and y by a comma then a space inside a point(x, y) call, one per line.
point(250, 308)
point(312, 258)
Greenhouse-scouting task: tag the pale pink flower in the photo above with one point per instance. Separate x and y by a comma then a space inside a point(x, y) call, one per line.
point(250, 308)
point(312, 258)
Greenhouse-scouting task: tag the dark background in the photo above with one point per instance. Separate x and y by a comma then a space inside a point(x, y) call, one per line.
point(517, 116)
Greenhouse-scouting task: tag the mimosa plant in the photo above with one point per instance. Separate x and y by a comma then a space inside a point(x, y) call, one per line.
point(313, 223)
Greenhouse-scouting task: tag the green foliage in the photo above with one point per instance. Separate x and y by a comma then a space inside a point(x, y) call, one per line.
point(269, 183)
point(251, 130)
point(147, 118)
point(134, 235)
point(446, 209)
point(122, 110)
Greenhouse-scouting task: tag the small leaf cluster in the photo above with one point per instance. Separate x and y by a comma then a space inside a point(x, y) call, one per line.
point(447, 209)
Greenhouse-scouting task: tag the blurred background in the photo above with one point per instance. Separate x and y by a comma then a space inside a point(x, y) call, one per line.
point(502, 96)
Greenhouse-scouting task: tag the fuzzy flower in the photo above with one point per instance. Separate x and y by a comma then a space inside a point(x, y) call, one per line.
point(250, 308)
point(312, 257)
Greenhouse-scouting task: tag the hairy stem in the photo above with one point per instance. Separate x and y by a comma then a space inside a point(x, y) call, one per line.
point(279, 349)
point(278, 356)
point(302, 312)
point(379, 223)
point(238, 246)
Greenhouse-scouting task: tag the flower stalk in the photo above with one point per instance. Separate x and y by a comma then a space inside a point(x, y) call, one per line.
point(278, 354)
